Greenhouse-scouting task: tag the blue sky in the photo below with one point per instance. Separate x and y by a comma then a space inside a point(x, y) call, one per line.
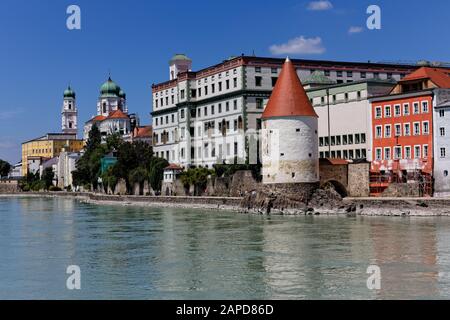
point(135, 39)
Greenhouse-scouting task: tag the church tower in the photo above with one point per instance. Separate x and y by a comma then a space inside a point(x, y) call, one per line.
point(290, 145)
point(179, 63)
point(69, 112)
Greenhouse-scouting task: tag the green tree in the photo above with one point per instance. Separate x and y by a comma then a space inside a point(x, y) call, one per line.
point(109, 179)
point(197, 177)
point(138, 175)
point(47, 177)
point(156, 172)
point(94, 139)
point(113, 141)
point(5, 167)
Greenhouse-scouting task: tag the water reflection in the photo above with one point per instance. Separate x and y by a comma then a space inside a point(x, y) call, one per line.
point(147, 253)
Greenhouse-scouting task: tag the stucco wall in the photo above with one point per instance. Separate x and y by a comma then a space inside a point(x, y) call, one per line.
point(358, 180)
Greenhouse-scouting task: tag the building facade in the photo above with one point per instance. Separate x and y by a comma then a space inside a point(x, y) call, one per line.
point(345, 124)
point(112, 113)
point(406, 145)
point(202, 118)
point(441, 110)
point(47, 147)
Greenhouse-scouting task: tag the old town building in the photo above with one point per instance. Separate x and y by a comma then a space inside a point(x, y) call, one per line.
point(208, 116)
point(405, 143)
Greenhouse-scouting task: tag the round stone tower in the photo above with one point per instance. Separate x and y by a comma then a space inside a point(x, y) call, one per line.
point(289, 137)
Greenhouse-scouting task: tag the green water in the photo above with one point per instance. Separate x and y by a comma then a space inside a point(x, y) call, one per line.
point(148, 253)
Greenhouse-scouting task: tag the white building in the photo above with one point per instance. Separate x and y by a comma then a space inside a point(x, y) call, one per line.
point(290, 152)
point(69, 112)
point(345, 117)
point(441, 129)
point(112, 113)
point(201, 118)
point(65, 166)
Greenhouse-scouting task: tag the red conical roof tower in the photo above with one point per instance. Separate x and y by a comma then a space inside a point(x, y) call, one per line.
point(288, 98)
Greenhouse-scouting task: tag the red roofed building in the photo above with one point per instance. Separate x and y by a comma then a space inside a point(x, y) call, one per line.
point(112, 113)
point(403, 130)
point(290, 144)
point(144, 134)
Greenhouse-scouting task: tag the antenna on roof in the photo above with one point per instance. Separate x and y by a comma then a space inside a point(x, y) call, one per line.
point(254, 53)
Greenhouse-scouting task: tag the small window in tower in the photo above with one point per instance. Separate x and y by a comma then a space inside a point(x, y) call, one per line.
point(310, 155)
point(282, 155)
point(297, 130)
point(293, 174)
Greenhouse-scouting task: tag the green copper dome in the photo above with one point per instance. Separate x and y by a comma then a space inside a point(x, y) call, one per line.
point(122, 94)
point(69, 93)
point(178, 57)
point(109, 89)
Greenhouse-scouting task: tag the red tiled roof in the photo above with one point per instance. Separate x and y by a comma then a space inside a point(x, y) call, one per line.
point(437, 76)
point(98, 118)
point(173, 166)
point(143, 132)
point(288, 97)
point(333, 161)
point(118, 114)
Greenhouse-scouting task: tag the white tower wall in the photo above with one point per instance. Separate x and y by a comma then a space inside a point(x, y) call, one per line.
point(69, 116)
point(290, 152)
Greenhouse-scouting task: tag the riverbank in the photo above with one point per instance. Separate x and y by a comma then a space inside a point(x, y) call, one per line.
point(397, 207)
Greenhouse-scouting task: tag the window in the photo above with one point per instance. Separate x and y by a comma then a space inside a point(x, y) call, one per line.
point(441, 113)
point(205, 112)
point(443, 152)
point(321, 142)
point(387, 131)
point(206, 91)
point(227, 84)
point(258, 81)
point(193, 93)
point(445, 173)
point(406, 109)
point(387, 153)
point(199, 112)
point(363, 75)
point(227, 106)
point(338, 140)
point(258, 69)
point(274, 81)
point(259, 103)
point(351, 154)
point(425, 151)
point(339, 73)
point(213, 109)
point(408, 152)
point(182, 94)
point(173, 99)
point(344, 140)
point(156, 121)
point(220, 108)
point(220, 86)
point(378, 112)
point(235, 82)
point(397, 110)
point(333, 140)
point(407, 129)
point(416, 128)
point(274, 70)
point(327, 73)
point(376, 75)
point(182, 114)
point(346, 154)
point(425, 106)
point(387, 111)
point(350, 139)
point(378, 132)
point(416, 108)
point(173, 118)
point(363, 138)
point(235, 104)
point(357, 139)
point(397, 153)
point(442, 131)
point(398, 130)
point(350, 74)
point(416, 152)
point(425, 127)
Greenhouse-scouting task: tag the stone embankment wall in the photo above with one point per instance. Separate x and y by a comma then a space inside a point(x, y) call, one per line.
point(358, 180)
point(9, 186)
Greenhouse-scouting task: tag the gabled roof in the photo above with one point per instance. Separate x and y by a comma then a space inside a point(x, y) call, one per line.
point(437, 76)
point(173, 166)
point(288, 98)
point(143, 132)
point(98, 118)
point(118, 114)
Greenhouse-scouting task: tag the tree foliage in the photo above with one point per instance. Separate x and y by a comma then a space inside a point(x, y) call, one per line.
point(197, 177)
point(5, 167)
point(156, 172)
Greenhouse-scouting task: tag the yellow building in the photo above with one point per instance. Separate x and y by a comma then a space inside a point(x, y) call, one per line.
point(49, 146)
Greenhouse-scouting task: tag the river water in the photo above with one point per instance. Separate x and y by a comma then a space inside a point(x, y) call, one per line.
point(149, 253)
